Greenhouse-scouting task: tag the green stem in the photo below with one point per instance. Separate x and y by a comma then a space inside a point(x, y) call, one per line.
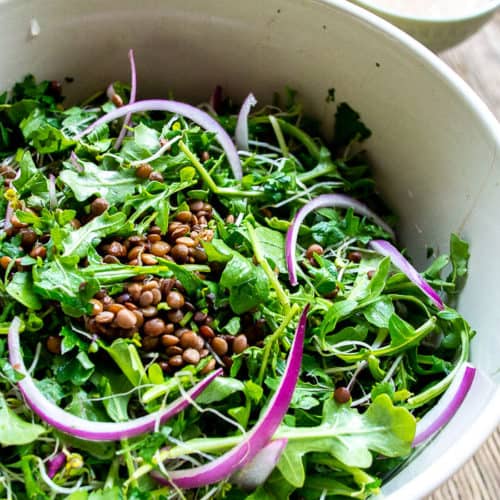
point(129, 462)
point(437, 389)
point(295, 132)
point(279, 136)
point(207, 178)
point(271, 340)
point(271, 275)
point(319, 171)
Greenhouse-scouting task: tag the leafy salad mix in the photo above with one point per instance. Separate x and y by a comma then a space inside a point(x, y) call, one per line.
point(188, 316)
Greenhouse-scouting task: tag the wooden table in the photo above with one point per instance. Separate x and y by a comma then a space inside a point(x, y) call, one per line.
point(477, 60)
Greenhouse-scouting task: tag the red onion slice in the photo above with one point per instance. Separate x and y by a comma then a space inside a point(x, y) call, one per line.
point(260, 467)
point(241, 132)
point(133, 91)
point(55, 464)
point(323, 201)
point(448, 405)
point(86, 429)
point(388, 250)
point(180, 108)
point(260, 435)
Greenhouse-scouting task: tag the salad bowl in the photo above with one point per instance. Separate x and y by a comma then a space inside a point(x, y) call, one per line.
point(435, 145)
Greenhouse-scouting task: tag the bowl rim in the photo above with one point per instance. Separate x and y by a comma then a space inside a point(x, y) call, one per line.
point(476, 13)
point(464, 447)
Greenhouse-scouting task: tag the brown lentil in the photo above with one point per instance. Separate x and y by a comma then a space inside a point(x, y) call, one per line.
point(180, 253)
point(312, 249)
point(219, 345)
point(354, 256)
point(207, 332)
point(370, 274)
point(146, 298)
point(140, 318)
point(184, 216)
point(143, 171)
point(39, 251)
point(116, 249)
point(191, 356)
point(186, 240)
point(156, 296)
point(148, 259)
point(135, 290)
point(115, 308)
point(240, 343)
point(126, 319)
point(175, 300)
point(5, 261)
point(176, 361)
point(54, 344)
point(179, 232)
point(342, 395)
point(154, 327)
point(16, 222)
point(210, 366)
point(134, 252)
point(153, 238)
point(98, 206)
point(28, 237)
point(196, 205)
point(174, 350)
point(169, 340)
point(149, 312)
point(104, 317)
point(156, 176)
point(160, 248)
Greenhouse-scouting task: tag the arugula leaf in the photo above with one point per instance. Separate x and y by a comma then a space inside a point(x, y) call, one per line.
point(349, 436)
point(31, 181)
point(20, 288)
point(13, 429)
point(272, 244)
point(78, 242)
point(379, 313)
point(125, 355)
point(248, 284)
point(220, 389)
point(112, 185)
point(62, 281)
point(44, 136)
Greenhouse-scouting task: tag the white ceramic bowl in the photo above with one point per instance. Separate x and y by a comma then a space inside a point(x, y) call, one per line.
point(436, 33)
point(435, 144)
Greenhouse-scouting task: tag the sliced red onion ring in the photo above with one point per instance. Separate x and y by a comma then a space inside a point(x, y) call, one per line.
point(180, 108)
point(133, 91)
point(241, 132)
point(260, 435)
point(448, 405)
point(323, 201)
point(260, 467)
point(388, 250)
point(55, 464)
point(86, 429)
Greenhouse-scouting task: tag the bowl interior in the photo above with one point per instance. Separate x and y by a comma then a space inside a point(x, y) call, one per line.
point(435, 145)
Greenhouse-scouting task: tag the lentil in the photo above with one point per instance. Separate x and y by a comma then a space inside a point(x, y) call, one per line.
point(342, 395)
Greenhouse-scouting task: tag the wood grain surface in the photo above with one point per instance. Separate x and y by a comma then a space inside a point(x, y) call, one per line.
point(477, 61)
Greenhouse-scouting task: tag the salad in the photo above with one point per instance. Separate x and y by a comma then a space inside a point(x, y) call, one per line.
point(208, 302)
